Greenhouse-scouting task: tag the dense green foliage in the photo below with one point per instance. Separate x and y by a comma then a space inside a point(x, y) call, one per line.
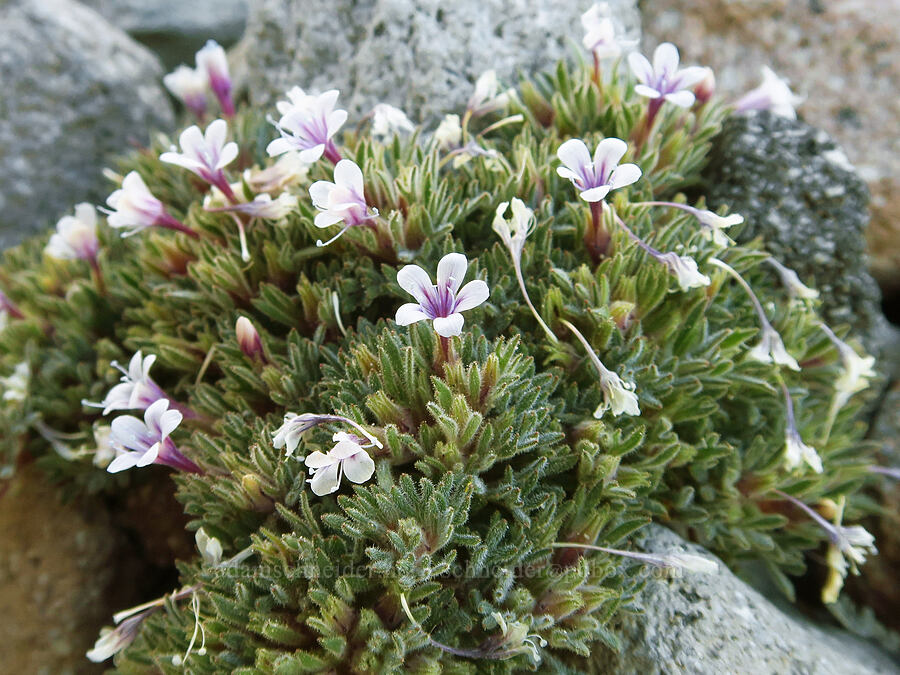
point(491, 453)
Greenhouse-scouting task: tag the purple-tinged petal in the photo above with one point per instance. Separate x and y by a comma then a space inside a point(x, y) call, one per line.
point(415, 281)
point(665, 60)
point(451, 270)
point(471, 295)
point(449, 326)
point(574, 155)
point(606, 156)
point(148, 457)
point(641, 67)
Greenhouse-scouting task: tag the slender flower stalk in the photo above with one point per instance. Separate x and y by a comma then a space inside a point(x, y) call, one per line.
point(212, 62)
point(712, 224)
point(288, 435)
point(796, 452)
point(682, 267)
point(444, 302)
point(618, 395)
point(134, 206)
point(206, 155)
point(513, 233)
point(683, 561)
point(771, 348)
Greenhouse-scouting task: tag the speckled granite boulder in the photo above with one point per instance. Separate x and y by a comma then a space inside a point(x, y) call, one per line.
point(796, 188)
point(421, 55)
point(712, 624)
point(76, 91)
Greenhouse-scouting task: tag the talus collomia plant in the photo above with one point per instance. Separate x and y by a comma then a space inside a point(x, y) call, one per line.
point(388, 469)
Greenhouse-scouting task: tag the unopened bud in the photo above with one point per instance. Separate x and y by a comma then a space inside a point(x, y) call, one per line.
point(251, 484)
point(622, 312)
point(248, 339)
point(705, 88)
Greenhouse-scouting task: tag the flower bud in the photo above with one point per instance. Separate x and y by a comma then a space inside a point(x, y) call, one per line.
point(249, 340)
point(622, 312)
point(705, 88)
point(250, 482)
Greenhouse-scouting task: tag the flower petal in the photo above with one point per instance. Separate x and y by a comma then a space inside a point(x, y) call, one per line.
point(595, 194)
point(359, 468)
point(607, 155)
point(683, 99)
point(451, 270)
point(471, 295)
point(644, 90)
point(665, 60)
point(415, 281)
point(641, 67)
point(347, 174)
point(215, 135)
point(125, 460)
point(625, 174)
point(574, 154)
point(409, 313)
point(326, 480)
point(229, 153)
point(449, 326)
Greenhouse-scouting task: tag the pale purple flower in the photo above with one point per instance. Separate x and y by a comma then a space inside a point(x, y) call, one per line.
point(134, 206)
point(76, 236)
point(263, 206)
point(288, 435)
point(443, 302)
point(388, 120)
point(795, 287)
point(712, 224)
point(596, 178)
point(771, 349)
point(663, 80)
point(773, 94)
point(796, 452)
point(136, 391)
point(114, 640)
point(347, 458)
point(307, 125)
point(206, 155)
point(600, 33)
point(188, 85)
point(344, 200)
point(684, 269)
point(144, 442)
point(212, 62)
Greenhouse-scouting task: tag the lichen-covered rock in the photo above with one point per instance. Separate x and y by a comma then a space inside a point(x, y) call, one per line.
point(421, 55)
point(701, 623)
point(76, 90)
point(796, 189)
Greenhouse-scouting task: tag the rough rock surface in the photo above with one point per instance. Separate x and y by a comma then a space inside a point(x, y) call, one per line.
point(712, 624)
point(420, 55)
point(76, 90)
point(796, 188)
point(841, 55)
point(175, 29)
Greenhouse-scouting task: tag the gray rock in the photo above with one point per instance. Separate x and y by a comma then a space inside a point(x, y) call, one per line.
point(76, 91)
point(176, 29)
point(420, 55)
point(796, 188)
point(712, 624)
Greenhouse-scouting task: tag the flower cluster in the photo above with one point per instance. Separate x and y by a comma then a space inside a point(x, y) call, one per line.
point(190, 85)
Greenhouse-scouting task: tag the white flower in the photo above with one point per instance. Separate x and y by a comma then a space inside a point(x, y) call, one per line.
point(858, 370)
point(600, 34)
point(595, 178)
point(341, 201)
point(487, 96)
point(288, 435)
point(76, 236)
point(347, 458)
point(104, 452)
point(212, 62)
point(795, 287)
point(205, 154)
point(288, 170)
point(693, 563)
point(449, 132)
point(771, 349)
point(210, 548)
point(856, 543)
point(307, 125)
point(114, 640)
point(141, 443)
point(443, 302)
point(663, 81)
point(514, 232)
point(796, 452)
point(134, 206)
point(188, 85)
point(15, 387)
point(684, 269)
point(618, 395)
point(388, 120)
point(137, 390)
point(713, 224)
point(853, 542)
point(773, 94)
